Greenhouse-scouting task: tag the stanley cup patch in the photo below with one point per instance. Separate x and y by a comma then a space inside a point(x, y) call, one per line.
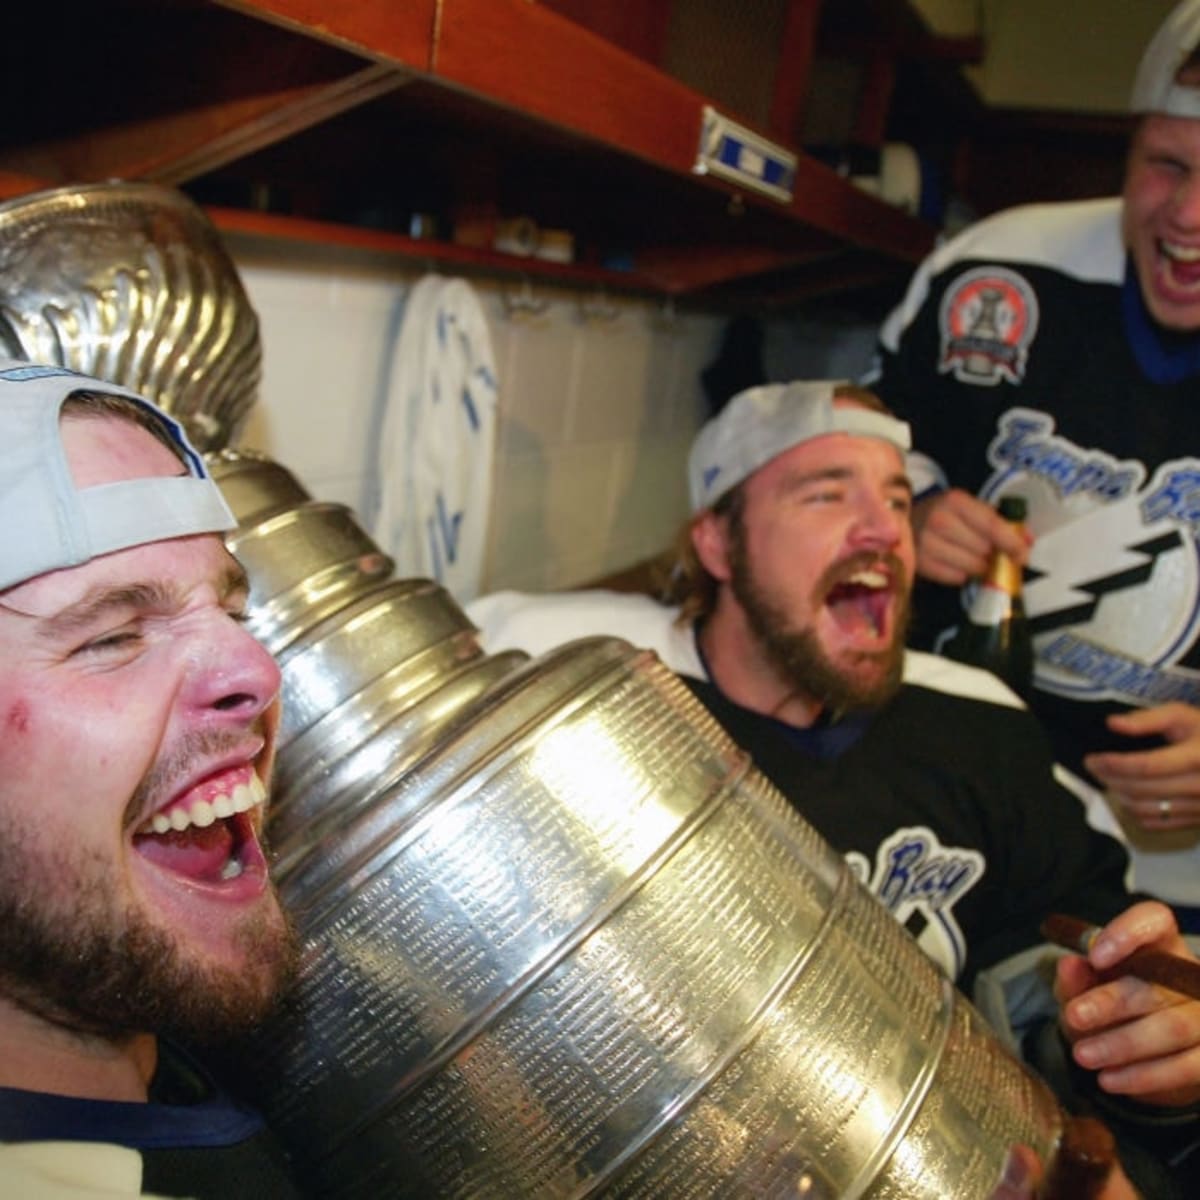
point(988, 319)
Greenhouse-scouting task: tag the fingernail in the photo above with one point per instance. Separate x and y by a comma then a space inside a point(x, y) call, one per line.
point(1103, 952)
point(1016, 1171)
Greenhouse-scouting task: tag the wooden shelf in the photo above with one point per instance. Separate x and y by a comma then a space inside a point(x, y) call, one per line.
point(337, 120)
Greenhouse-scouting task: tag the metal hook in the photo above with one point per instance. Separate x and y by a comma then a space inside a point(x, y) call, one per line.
point(668, 316)
point(598, 307)
point(523, 301)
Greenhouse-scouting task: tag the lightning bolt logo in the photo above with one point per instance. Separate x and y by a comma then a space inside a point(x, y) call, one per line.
point(1090, 592)
point(1113, 584)
point(1082, 559)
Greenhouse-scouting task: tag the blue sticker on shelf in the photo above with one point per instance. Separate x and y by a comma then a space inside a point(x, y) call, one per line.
point(743, 156)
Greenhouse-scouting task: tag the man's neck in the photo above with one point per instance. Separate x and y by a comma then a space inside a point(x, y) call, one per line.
point(738, 666)
point(40, 1056)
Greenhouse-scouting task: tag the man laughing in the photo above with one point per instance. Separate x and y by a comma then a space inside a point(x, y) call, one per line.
point(138, 719)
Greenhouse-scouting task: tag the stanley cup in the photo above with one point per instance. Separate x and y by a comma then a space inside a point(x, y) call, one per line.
point(560, 939)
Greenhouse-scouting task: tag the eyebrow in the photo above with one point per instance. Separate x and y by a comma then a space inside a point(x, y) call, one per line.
point(804, 478)
point(155, 596)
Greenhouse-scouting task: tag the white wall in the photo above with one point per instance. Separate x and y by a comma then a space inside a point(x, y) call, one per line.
point(1076, 55)
point(596, 411)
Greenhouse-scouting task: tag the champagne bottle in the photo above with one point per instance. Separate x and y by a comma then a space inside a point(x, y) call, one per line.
point(995, 633)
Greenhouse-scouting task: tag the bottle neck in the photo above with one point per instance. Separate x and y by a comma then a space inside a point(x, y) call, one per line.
point(998, 593)
point(1003, 575)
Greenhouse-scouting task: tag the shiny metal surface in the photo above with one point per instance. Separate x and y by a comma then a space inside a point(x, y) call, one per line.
point(255, 485)
point(367, 743)
point(130, 282)
point(560, 940)
point(305, 564)
point(371, 635)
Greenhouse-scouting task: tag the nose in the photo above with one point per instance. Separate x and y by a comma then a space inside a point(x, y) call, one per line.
point(880, 524)
point(233, 678)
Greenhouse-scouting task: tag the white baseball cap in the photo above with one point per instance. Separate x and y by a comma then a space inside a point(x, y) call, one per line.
point(50, 523)
point(760, 423)
point(1155, 88)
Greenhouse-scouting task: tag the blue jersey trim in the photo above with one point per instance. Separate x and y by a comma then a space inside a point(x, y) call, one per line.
point(214, 1119)
point(1161, 361)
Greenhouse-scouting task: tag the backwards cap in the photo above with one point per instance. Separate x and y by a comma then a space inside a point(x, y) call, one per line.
point(50, 523)
point(760, 423)
point(1155, 89)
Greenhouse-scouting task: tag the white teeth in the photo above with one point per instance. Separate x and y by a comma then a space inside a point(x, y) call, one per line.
point(246, 797)
point(1179, 253)
point(202, 813)
point(873, 579)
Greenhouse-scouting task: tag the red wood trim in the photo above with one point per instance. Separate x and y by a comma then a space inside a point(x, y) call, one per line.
point(793, 70)
point(875, 99)
point(400, 31)
point(531, 59)
point(272, 123)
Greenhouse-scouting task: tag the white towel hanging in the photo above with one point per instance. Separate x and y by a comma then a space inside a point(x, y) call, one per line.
point(432, 482)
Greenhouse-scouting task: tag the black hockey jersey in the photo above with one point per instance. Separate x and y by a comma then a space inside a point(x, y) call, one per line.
point(947, 809)
point(1025, 362)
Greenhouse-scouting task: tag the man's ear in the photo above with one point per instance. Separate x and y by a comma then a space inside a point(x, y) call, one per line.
point(710, 540)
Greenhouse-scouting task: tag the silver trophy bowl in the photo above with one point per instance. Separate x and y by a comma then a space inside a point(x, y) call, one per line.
point(560, 939)
point(130, 282)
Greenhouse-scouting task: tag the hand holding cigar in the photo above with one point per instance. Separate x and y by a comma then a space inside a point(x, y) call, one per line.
point(1142, 1039)
point(1180, 975)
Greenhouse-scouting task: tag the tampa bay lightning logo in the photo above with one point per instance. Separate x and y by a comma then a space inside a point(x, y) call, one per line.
point(1113, 584)
point(919, 881)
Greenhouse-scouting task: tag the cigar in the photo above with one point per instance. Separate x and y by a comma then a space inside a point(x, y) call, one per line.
point(1180, 975)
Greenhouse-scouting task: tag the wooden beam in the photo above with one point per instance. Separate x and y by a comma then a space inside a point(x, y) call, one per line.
point(398, 31)
point(250, 127)
point(875, 99)
point(793, 70)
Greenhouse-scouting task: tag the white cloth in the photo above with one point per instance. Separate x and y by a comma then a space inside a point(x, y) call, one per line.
point(70, 1171)
point(537, 622)
point(429, 478)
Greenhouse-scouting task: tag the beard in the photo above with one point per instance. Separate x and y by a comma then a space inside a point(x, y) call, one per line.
point(72, 955)
point(796, 654)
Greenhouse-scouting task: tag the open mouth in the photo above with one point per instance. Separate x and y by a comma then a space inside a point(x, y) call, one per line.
point(211, 838)
point(862, 602)
point(1181, 264)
